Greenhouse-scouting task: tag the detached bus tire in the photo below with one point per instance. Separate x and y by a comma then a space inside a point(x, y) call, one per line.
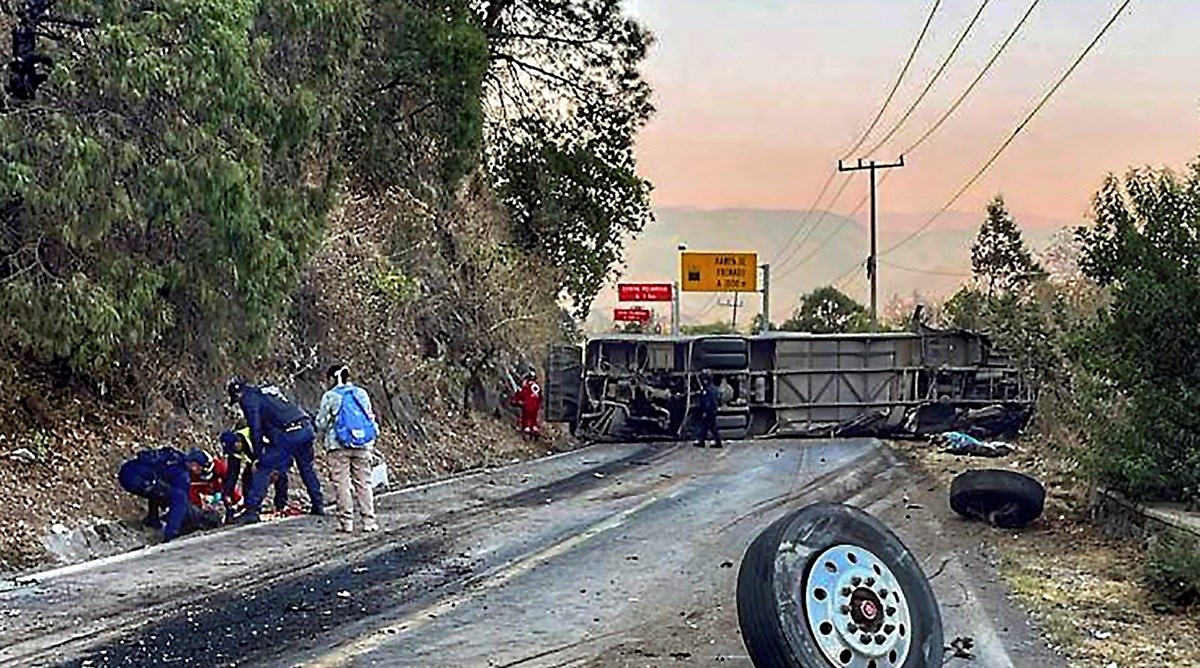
point(829, 585)
point(1005, 499)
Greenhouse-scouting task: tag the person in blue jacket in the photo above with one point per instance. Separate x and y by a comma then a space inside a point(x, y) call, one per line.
point(280, 432)
point(709, 403)
point(161, 477)
point(239, 453)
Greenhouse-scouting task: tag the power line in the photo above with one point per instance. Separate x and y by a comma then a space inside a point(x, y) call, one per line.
point(900, 79)
point(858, 144)
point(800, 226)
point(1017, 131)
point(958, 102)
point(832, 235)
point(962, 37)
point(995, 57)
point(931, 272)
point(978, 78)
point(816, 224)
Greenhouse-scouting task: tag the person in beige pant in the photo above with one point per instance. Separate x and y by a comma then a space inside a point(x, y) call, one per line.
point(350, 465)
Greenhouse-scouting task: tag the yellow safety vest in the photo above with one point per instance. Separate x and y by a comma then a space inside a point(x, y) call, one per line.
point(246, 450)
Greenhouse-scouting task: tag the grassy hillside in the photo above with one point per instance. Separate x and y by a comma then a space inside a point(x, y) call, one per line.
point(942, 254)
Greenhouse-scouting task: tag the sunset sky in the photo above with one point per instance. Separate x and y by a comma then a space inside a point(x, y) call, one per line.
point(756, 98)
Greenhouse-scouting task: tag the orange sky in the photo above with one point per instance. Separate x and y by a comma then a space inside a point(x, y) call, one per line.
point(757, 98)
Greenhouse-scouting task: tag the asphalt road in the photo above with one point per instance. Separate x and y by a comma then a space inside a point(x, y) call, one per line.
point(611, 556)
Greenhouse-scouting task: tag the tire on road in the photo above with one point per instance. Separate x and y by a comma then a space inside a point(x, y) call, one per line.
point(734, 427)
point(1005, 499)
point(792, 615)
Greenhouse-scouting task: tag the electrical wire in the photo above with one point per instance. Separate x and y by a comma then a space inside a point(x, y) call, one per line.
point(931, 272)
point(791, 242)
point(958, 102)
point(962, 38)
point(900, 79)
point(978, 78)
point(1017, 131)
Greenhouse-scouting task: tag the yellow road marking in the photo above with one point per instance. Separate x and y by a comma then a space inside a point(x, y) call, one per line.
point(517, 568)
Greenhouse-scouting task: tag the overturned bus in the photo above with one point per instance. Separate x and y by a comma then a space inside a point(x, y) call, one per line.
point(781, 384)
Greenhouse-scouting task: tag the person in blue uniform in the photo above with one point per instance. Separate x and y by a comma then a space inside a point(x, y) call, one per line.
point(709, 402)
point(239, 452)
point(280, 433)
point(161, 477)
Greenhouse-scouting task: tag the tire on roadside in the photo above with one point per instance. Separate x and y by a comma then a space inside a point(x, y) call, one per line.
point(1005, 499)
point(772, 596)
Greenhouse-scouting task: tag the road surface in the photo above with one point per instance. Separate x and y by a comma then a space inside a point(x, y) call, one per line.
point(611, 556)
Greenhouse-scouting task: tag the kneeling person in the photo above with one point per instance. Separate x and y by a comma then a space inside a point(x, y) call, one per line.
point(161, 477)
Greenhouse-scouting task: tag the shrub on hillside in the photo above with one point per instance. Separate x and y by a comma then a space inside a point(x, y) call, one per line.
point(1173, 570)
point(1141, 352)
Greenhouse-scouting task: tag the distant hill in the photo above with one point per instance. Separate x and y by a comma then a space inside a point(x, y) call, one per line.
point(933, 264)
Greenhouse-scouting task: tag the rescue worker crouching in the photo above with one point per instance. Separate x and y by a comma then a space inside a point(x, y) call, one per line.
point(280, 433)
point(239, 454)
point(161, 477)
point(348, 424)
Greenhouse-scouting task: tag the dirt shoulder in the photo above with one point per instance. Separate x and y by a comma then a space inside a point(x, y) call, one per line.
point(61, 475)
point(1084, 590)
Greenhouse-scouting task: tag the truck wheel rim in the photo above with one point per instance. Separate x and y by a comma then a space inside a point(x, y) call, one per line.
point(856, 609)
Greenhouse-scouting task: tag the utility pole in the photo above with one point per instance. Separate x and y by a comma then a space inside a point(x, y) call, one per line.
point(765, 326)
point(735, 302)
point(873, 261)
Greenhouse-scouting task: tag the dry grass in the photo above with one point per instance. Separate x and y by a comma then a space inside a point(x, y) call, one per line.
point(1085, 591)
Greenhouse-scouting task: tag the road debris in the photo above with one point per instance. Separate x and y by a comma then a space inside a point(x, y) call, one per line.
point(958, 443)
point(961, 648)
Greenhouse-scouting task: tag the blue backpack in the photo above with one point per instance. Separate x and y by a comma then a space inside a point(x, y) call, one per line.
point(353, 427)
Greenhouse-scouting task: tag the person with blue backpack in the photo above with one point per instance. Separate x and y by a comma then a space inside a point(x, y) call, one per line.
point(346, 419)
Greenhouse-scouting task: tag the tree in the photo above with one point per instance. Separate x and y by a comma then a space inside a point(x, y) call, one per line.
point(1141, 353)
point(827, 310)
point(169, 183)
point(757, 324)
point(566, 100)
point(709, 329)
point(999, 258)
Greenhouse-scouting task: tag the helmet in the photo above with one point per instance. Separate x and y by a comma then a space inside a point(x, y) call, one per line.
point(234, 388)
point(229, 439)
point(198, 456)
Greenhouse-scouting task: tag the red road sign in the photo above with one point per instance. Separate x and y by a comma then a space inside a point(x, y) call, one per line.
point(644, 292)
point(631, 315)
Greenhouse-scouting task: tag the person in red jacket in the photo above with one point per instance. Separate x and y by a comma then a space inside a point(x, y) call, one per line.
point(208, 478)
point(529, 399)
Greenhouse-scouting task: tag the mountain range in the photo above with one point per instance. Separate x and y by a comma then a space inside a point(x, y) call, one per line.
point(932, 264)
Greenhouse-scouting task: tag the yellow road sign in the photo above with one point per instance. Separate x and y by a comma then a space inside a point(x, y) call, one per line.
point(719, 272)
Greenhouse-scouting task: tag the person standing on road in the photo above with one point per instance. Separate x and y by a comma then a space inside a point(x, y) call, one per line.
point(161, 477)
point(239, 456)
point(709, 402)
point(280, 433)
point(348, 423)
point(529, 400)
